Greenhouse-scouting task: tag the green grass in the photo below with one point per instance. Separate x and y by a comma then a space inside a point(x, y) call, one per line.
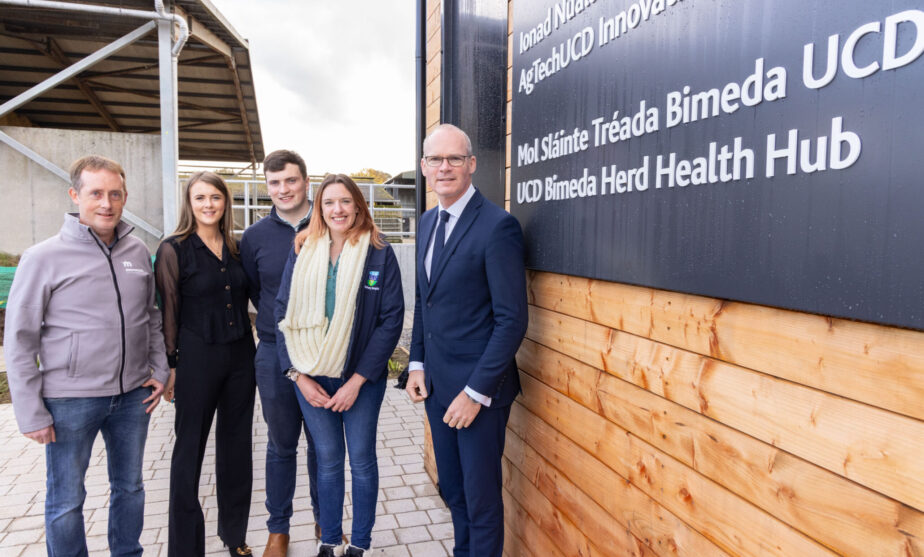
point(4, 389)
point(8, 260)
point(397, 363)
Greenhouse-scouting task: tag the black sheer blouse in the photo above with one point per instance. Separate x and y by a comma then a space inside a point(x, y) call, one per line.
point(200, 293)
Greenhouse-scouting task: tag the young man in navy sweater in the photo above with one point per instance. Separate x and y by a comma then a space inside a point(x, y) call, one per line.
point(264, 249)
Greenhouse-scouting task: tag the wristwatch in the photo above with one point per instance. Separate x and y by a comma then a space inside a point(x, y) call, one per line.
point(292, 374)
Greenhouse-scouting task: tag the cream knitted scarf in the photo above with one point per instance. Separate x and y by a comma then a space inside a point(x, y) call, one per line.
point(315, 348)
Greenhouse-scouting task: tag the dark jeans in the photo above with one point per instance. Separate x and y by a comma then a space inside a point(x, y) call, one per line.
point(124, 425)
point(212, 378)
point(284, 426)
point(328, 428)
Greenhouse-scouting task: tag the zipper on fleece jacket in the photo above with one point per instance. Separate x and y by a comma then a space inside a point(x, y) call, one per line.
point(108, 253)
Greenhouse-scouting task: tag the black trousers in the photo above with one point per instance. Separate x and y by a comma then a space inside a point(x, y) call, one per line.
point(210, 378)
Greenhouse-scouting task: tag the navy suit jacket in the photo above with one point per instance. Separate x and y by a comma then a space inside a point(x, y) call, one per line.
point(470, 316)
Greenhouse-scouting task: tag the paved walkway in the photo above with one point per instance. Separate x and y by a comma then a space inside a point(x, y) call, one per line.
point(411, 518)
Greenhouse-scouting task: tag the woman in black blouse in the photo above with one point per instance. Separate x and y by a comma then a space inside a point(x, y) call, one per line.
point(210, 348)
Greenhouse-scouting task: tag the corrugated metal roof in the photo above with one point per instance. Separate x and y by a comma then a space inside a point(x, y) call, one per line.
point(218, 118)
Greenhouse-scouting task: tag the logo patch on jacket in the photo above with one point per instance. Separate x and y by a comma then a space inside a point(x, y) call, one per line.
point(129, 268)
point(373, 278)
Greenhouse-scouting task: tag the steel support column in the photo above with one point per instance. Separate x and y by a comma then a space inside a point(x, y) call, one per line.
point(169, 145)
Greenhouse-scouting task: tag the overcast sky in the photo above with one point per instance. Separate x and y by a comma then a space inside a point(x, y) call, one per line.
point(335, 80)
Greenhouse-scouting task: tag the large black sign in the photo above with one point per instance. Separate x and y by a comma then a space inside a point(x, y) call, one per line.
point(473, 94)
point(770, 151)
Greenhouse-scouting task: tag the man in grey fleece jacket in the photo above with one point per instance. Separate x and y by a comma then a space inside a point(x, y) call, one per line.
point(85, 355)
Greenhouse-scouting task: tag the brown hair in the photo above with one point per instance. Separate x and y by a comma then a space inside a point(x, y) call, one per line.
point(363, 223)
point(94, 162)
point(187, 223)
point(277, 160)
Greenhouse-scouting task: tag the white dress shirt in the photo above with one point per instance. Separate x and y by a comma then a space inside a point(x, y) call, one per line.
point(455, 211)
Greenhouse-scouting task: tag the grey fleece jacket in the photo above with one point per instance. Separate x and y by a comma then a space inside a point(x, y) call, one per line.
point(81, 321)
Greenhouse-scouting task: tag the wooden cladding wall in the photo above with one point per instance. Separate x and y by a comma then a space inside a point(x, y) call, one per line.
point(434, 61)
point(657, 423)
point(703, 427)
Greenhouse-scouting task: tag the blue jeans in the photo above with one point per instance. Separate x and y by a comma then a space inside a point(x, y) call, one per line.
point(359, 423)
point(284, 426)
point(124, 425)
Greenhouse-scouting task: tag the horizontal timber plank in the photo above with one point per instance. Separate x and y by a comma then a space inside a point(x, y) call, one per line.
point(513, 545)
point(560, 530)
point(720, 515)
point(429, 459)
point(843, 515)
point(434, 42)
point(431, 199)
point(433, 113)
point(434, 72)
point(526, 531)
point(876, 448)
point(644, 517)
point(878, 365)
point(433, 9)
point(433, 92)
point(607, 536)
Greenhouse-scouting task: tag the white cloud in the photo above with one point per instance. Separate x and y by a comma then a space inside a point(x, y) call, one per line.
point(334, 80)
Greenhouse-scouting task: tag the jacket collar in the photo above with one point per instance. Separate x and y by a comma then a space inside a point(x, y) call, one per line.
point(301, 224)
point(458, 232)
point(76, 230)
point(457, 208)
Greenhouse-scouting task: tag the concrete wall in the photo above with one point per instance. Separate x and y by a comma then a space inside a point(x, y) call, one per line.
point(33, 200)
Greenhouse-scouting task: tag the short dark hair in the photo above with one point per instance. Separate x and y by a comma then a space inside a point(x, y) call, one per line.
point(94, 162)
point(277, 160)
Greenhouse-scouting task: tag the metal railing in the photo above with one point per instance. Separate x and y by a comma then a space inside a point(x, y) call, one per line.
point(252, 202)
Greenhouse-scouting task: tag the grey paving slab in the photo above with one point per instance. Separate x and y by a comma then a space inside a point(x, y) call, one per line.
point(411, 519)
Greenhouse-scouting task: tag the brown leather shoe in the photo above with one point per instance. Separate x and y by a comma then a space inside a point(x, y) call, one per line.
point(277, 545)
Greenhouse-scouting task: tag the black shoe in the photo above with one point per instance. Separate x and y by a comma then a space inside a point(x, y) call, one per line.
point(240, 550)
point(353, 551)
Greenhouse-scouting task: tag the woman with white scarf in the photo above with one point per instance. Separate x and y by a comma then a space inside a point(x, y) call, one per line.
point(340, 310)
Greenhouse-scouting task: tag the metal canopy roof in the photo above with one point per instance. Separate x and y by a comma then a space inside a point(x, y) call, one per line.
point(217, 106)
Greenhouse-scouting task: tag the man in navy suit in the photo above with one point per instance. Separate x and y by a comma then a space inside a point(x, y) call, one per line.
point(469, 319)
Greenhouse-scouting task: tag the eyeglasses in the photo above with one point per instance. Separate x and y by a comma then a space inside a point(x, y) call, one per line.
point(454, 160)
